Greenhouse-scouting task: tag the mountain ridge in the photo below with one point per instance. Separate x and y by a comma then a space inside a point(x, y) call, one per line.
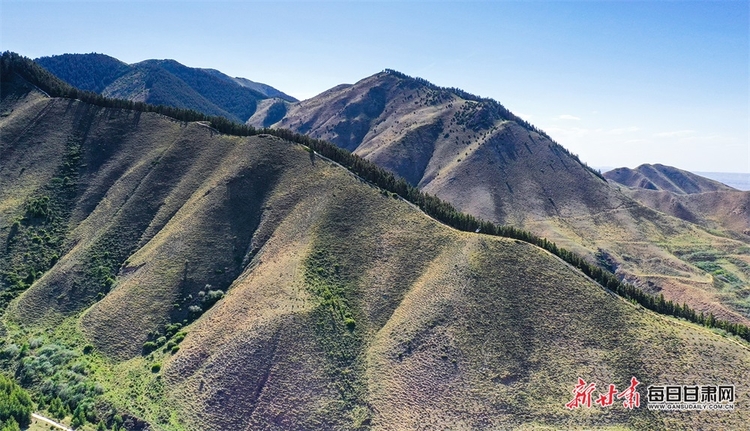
point(688, 196)
point(475, 154)
point(277, 351)
point(164, 82)
point(541, 187)
point(332, 315)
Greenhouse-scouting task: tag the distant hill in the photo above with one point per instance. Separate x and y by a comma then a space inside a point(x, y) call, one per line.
point(479, 156)
point(161, 82)
point(726, 210)
point(668, 178)
point(686, 195)
point(264, 89)
point(175, 278)
point(90, 72)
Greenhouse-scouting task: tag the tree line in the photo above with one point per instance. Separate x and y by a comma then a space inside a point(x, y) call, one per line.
point(431, 205)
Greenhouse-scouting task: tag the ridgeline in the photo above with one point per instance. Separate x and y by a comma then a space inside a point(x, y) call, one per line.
point(12, 63)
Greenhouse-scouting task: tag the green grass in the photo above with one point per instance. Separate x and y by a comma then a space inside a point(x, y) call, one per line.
point(336, 329)
point(58, 367)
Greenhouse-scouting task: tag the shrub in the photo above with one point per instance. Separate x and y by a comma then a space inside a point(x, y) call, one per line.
point(212, 297)
point(10, 351)
point(195, 311)
point(172, 329)
point(155, 368)
point(350, 323)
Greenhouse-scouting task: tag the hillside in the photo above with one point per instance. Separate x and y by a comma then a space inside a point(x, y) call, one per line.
point(668, 178)
point(718, 210)
point(162, 82)
point(264, 89)
point(90, 72)
point(470, 151)
point(687, 196)
point(306, 298)
point(477, 155)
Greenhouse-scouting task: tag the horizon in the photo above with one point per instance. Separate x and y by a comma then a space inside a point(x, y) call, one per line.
point(619, 84)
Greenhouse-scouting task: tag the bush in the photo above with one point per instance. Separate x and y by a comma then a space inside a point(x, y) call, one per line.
point(212, 297)
point(350, 323)
point(155, 368)
point(172, 329)
point(195, 311)
point(148, 347)
point(10, 351)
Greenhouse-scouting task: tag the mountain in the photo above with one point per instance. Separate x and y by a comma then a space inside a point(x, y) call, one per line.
point(661, 177)
point(470, 151)
point(480, 157)
point(688, 196)
point(90, 72)
point(161, 82)
point(189, 279)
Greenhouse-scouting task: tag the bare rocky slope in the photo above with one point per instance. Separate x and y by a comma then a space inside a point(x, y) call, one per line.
point(342, 307)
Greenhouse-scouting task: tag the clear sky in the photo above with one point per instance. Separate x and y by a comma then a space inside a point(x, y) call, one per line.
point(619, 83)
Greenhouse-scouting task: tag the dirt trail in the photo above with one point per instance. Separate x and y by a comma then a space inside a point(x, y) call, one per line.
point(50, 421)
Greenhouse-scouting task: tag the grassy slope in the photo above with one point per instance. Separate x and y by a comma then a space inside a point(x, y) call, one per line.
point(347, 308)
point(500, 171)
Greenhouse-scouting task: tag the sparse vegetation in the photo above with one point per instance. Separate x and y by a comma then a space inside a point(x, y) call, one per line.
point(336, 326)
point(432, 205)
point(36, 240)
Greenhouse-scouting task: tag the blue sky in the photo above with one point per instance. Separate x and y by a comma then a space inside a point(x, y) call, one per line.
point(619, 83)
